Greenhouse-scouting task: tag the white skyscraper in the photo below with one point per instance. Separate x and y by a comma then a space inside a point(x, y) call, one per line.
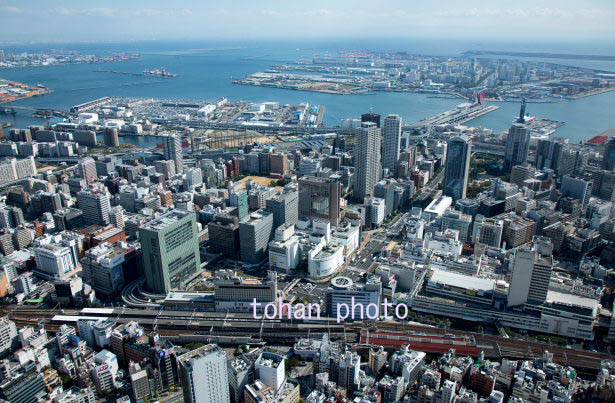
point(392, 142)
point(531, 273)
point(95, 205)
point(194, 177)
point(204, 375)
point(54, 260)
point(367, 160)
point(87, 170)
point(172, 150)
point(270, 369)
point(116, 216)
point(448, 391)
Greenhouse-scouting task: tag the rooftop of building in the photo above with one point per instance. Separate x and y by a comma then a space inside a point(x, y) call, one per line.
point(572, 300)
point(439, 205)
point(457, 280)
point(188, 296)
point(239, 364)
point(108, 233)
point(256, 217)
point(166, 220)
point(199, 352)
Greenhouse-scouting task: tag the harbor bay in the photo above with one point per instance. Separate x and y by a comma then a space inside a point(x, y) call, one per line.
point(209, 74)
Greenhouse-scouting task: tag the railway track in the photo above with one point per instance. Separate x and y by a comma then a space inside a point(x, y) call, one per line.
point(175, 323)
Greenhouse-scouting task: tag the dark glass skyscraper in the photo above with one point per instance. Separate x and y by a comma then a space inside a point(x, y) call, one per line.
point(608, 159)
point(457, 167)
point(517, 142)
point(517, 146)
point(371, 117)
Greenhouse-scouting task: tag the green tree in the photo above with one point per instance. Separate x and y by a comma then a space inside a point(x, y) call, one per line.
point(194, 346)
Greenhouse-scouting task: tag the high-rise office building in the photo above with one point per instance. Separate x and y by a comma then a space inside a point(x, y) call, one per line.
point(284, 207)
point(264, 162)
point(487, 231)
point(608, 158)
point(111, 137)
point(367, 160)
point(448, 391)
point(204, 375)
point(546, 154)
point(452, 219)
point(194, 178)
point(269, 368)
point(170, 250)
point(392, 139)
point(8, 334)
point(172, 151)
point(46, 202)
point(517, 142)
point(255, 232)
point(571, 162)
point(103, 268)
point(27, 387)
point(345, 368)
point(166, 168)
point(279, 164)
point(559, 156)
point(517, 146)
point(94, 202)
point(531, 273)
point(320, 198)
point(12, 169)
point(239, 198)
point(53, 260)
point(85, 137)
point(87, 170)
point(457, 167)
point(5, 219)
point(116, 216)
point(576, 188)
point(224, 235)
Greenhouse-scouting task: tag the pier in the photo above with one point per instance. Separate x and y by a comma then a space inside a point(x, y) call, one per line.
point(127, 73)
point(12, 110)
point(456, 116)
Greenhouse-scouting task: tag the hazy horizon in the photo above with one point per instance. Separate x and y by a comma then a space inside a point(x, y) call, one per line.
point(70, 21)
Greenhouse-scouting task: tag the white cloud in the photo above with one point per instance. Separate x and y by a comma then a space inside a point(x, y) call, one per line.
point(516, 12)
point(111, 12)
point(524, 13)
point(550, 12)
point(89, 12)
point(596, 13)
point(99, 12)
point(400, 14)
point(147, 12)
point(324, 12)
point(270, 12)
point(10, 9)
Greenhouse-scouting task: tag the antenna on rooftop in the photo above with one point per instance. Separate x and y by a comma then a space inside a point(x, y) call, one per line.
point(522, 112)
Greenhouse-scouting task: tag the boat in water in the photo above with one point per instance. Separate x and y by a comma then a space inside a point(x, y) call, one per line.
point(161, 72)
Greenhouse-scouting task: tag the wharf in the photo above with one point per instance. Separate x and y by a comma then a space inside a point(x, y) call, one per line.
point(127, 73)
point(459, 115)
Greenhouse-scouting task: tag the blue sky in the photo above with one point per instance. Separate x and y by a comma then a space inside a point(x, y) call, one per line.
point(112, 20)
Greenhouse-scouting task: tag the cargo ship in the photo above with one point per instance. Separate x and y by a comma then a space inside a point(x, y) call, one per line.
point(161, 72)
